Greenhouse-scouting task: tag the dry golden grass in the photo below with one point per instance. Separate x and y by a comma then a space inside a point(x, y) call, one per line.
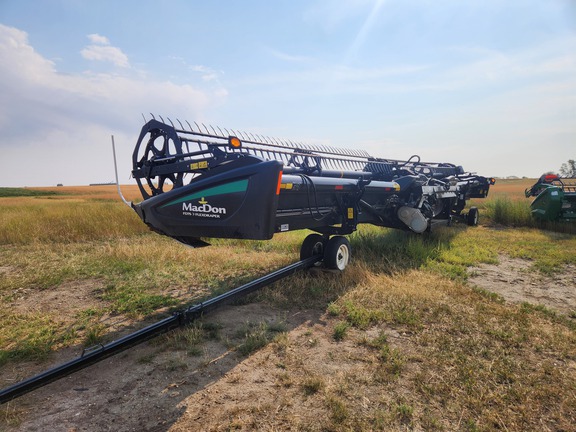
point(405, 344)
point(72, 214)
point(109, 192)
point(65, 220)
point(511, 188)
point(420, 352)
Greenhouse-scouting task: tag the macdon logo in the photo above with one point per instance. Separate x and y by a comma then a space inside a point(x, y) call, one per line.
point(202, 210)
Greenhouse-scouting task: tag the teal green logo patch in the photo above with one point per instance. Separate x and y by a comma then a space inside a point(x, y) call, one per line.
point(228, 188)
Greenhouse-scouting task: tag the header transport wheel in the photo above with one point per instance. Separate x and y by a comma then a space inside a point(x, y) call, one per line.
point(472, 217)
point(337, 253)
point(312, 245)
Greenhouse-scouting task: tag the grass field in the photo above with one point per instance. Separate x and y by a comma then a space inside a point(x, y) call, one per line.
point(74, 262)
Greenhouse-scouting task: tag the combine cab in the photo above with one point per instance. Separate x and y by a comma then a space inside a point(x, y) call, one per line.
point(198, 183)
point(555, 198)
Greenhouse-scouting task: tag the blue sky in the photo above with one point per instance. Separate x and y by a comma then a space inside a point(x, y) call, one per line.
point(487, 84)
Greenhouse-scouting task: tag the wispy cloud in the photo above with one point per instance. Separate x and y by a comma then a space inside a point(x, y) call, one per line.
point(549, 61)
point(471, 70)
point(207, 73)
point(292, 58)
point(62, 116)
point(98, 39)
point(101, 50)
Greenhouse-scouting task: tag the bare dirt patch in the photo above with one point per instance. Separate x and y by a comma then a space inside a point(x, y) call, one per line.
point(278, 388)
point(517, 282)
point(142, 389)
point(65, 299)
point(305, 380)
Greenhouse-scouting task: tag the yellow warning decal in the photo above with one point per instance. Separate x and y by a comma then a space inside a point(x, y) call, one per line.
point(286, 186)
point(199, 165)
point(350, 212)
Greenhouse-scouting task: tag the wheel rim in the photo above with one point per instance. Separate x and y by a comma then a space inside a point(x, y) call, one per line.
point(342, 257)
point(475, 217)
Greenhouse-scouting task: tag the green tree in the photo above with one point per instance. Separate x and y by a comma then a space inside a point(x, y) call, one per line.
point(568, 169)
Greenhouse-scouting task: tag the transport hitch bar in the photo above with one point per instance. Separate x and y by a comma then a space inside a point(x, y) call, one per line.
point(178, 319)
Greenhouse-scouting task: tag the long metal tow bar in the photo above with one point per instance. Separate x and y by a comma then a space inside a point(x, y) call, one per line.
point(176, 320)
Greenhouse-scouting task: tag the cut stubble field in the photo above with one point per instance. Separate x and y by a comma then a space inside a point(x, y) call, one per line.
point(462, 329)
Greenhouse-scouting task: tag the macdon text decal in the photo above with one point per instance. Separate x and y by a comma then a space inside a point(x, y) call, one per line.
point(202, 210)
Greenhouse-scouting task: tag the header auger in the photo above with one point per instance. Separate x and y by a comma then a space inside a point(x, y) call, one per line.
point(199, 183)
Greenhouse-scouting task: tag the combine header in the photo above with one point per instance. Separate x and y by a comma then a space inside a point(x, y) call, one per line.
point(199, 183)
point(555, 198)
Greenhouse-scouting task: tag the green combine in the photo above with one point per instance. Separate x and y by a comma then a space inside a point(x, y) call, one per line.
point(555, 198)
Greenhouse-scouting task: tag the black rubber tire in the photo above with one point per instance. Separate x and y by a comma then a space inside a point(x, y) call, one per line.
point(337, 253)
point(472, 216)
point(312, 245)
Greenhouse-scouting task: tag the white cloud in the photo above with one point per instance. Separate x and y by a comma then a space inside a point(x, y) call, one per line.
point(105, 53)
point(59, 125)
point(207, 74)
point(98, 39)
point(102, 51)
point(18, 59)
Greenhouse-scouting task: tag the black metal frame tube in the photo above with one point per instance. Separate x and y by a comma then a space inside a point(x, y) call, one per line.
point(178, 319)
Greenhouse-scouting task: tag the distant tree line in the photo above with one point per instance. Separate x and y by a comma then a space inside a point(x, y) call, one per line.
point(568, 169)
